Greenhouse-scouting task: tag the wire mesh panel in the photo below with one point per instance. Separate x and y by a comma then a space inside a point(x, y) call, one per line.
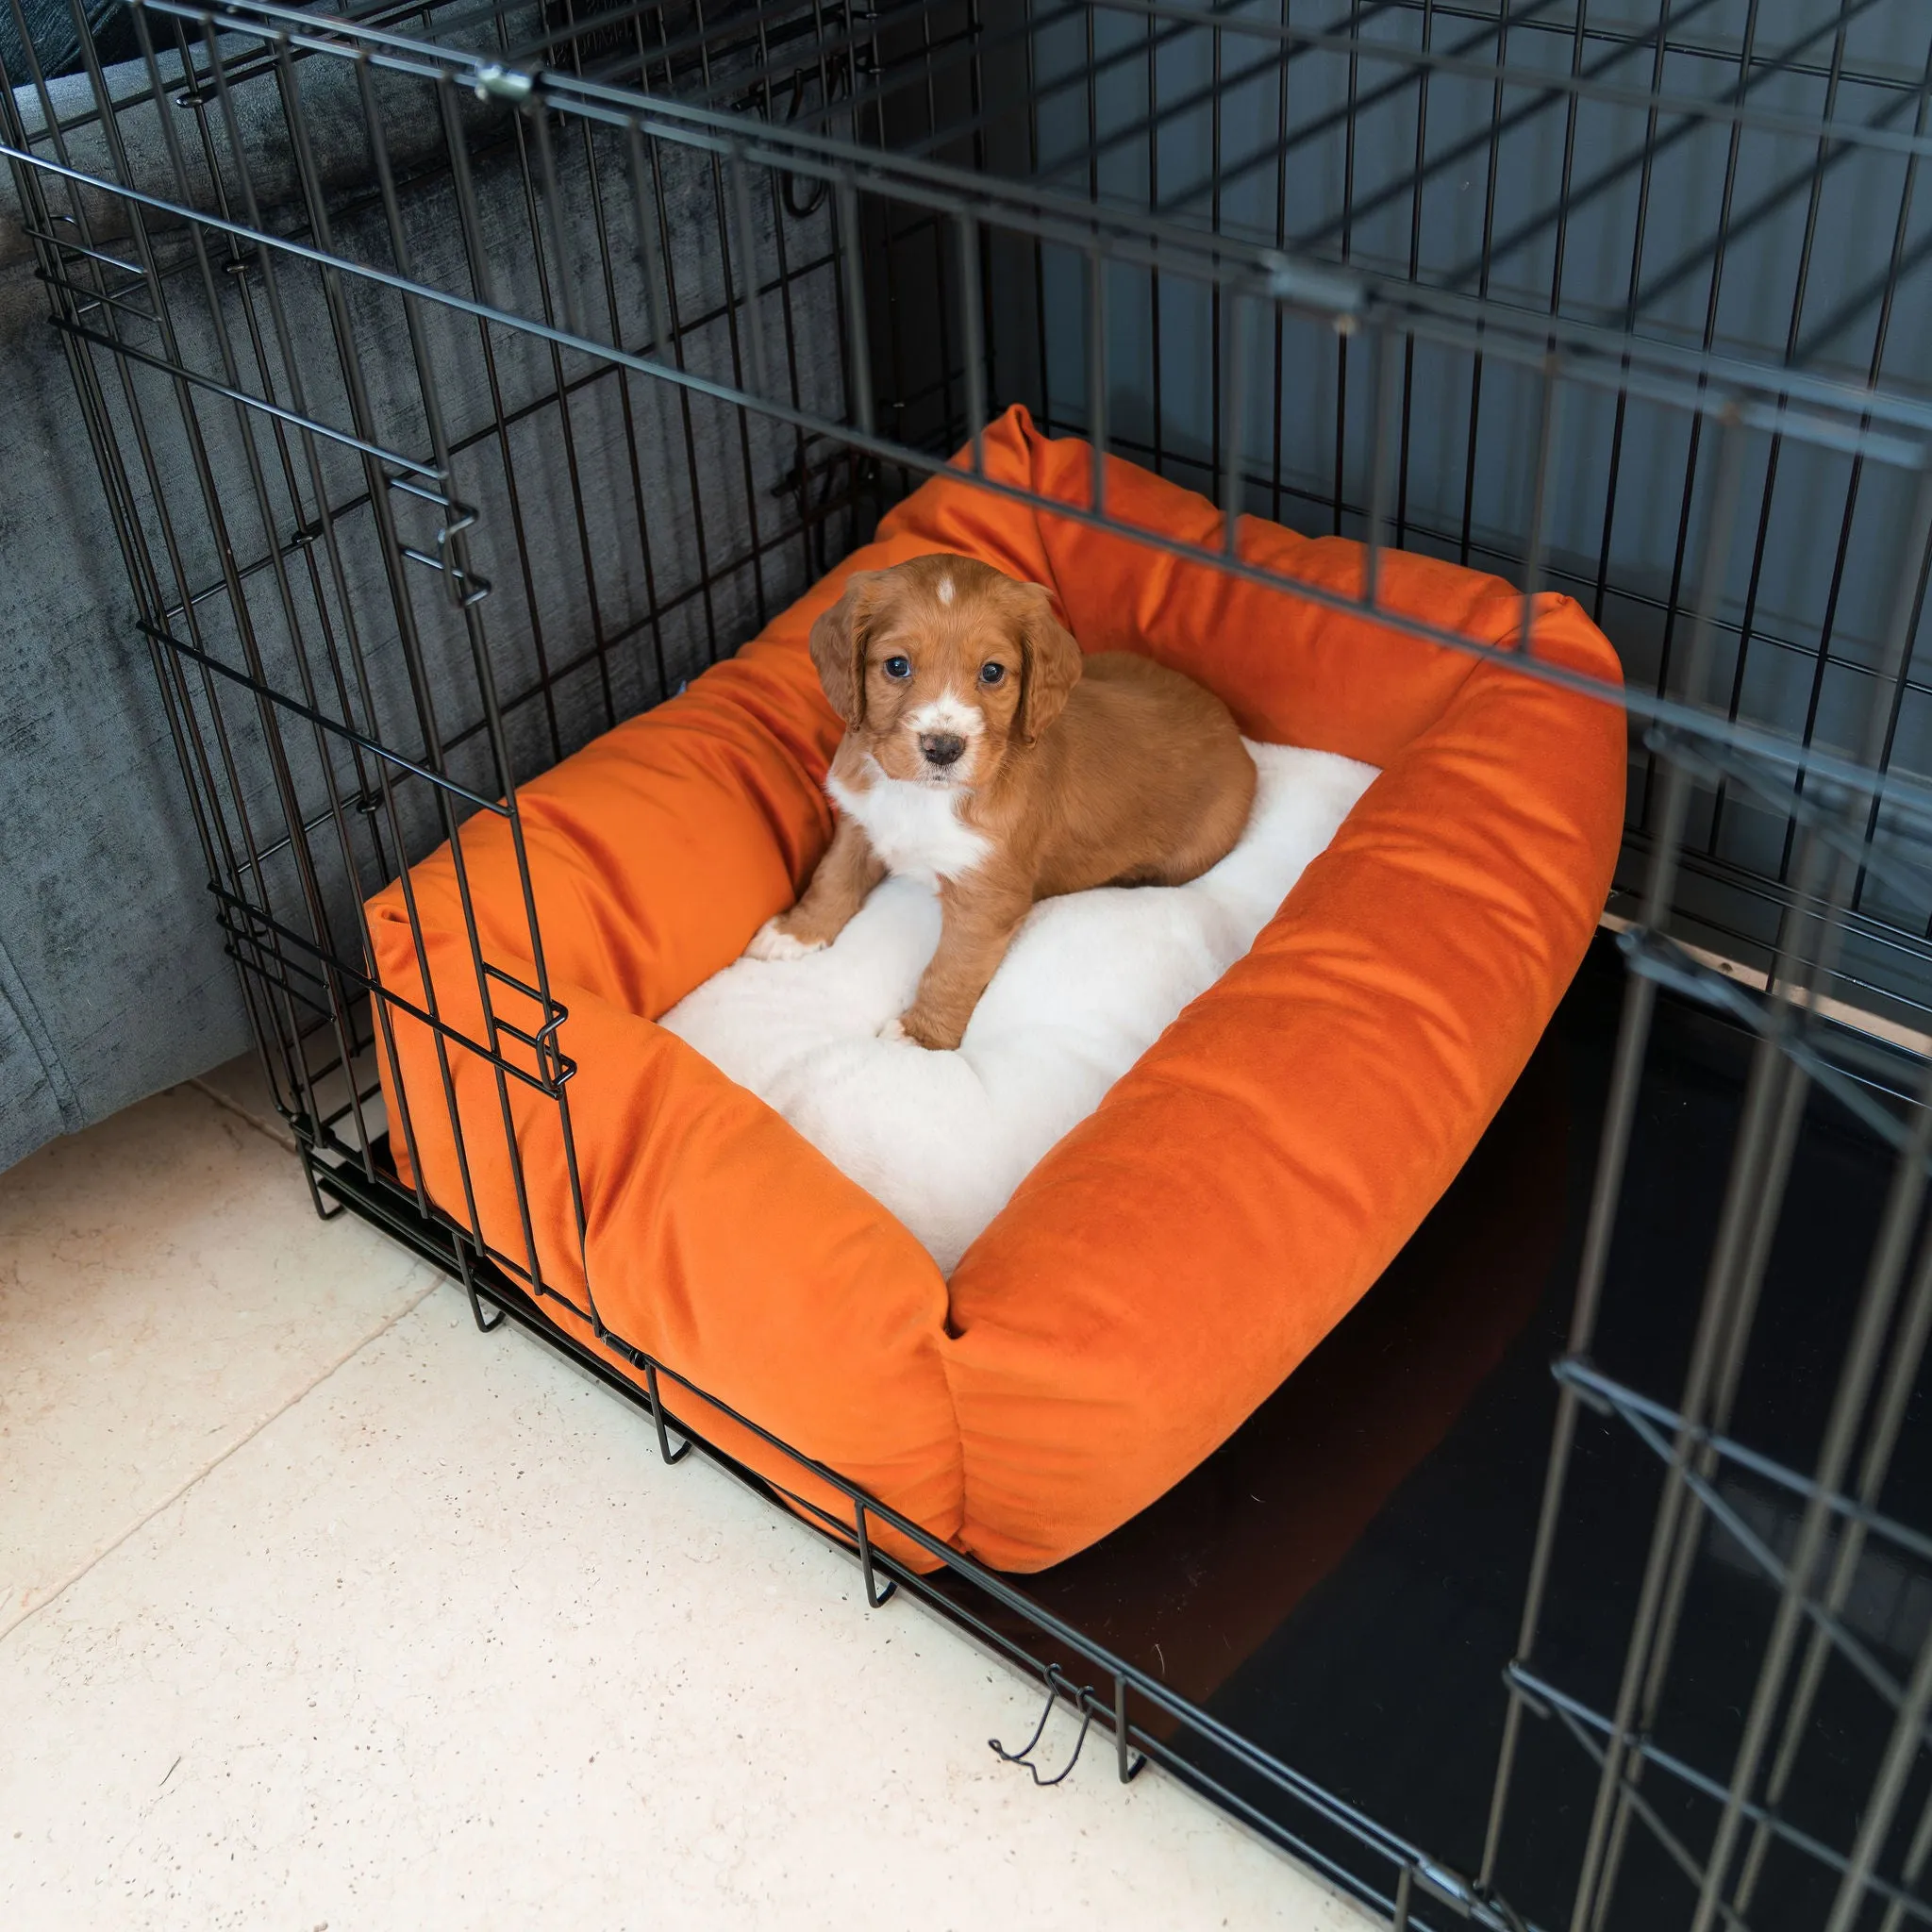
point(464, 379)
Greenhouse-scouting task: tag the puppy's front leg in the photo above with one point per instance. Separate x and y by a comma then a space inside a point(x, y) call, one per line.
point(979, 921)
point(845, 874)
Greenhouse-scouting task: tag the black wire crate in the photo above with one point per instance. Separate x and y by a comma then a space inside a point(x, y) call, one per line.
point(465, 379)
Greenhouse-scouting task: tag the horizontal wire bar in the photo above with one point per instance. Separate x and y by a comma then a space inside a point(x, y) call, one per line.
point(376, 988)
point(1778, 897)
point(1814, 809)
point(1632, 1794)
point(1494, 73)
point(284, 702)
point(291, 417)
point(63, 245)
point(1591, 1381)
point(1075, 221)
point(1792, 755)
point(86, 298)
point(1840, 1637)
point(393, 46)
point(1539, 1690)
point(1658, 957)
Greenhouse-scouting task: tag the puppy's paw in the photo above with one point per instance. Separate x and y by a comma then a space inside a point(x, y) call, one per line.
point(915, 1026)
point(771, 942)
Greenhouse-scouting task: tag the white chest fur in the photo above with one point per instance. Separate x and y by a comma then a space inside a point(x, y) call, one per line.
point(915, 829)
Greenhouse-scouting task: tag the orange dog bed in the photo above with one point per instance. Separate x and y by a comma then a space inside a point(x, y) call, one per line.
point(1171, 1260)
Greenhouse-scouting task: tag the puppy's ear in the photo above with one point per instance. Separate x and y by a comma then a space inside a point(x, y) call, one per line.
point(838, 646)
point(1049, 664)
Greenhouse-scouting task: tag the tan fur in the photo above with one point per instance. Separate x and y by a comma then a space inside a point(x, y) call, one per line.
point(1107, 771)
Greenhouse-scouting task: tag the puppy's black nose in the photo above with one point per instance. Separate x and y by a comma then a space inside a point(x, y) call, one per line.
point(940, 747)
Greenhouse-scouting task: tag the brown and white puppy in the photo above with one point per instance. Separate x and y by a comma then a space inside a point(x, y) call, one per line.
point(984, 756)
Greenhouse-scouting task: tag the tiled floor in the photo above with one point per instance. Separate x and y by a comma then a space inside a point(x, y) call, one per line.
point(318, 1609)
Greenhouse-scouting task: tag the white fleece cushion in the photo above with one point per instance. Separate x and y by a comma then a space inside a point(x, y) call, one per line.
point(1091, 981)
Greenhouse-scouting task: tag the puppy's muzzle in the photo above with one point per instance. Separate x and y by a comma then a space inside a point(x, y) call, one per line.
point(942, 748)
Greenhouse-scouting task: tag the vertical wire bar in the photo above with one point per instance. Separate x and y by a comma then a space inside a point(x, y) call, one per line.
point(777, 195)
point(1092, 76)
point(543, 197)
point(644, 199)
point(665, 1451)
point(1860, 1367)
point(1787, 1090)
point(339, 1014)
point(748, 296)
point(1906, 1348)
point(482, 271)
point(1887, 1788)
point(144, 573)
point(852, 266)
point(221, 527)
point(552, 197)
point(1765, 1184)
point(476, 254)
point(1044, 414)
point(1911, 1873)
point(1906, 1353)
point(325, 521)
point(1476, 374)
point(1549, 401)
point(466, 1268)
point(1753, 1190)
point(341, 1001)
point(1639, 1001)
point(1746, 56)
point(380, 999)
point(1384, 368)
point(1415, 258)
point(743, 318)
point(1341, 337)
point(52, 123)
point(409, 636)
point(1631, 299)
point(1217, 375)
point(1155, 374)
point(674, 326)
point(1580, 30)
point(1405, 1897)
point(1234, 439)
point(969, 320)
point(1282, 65)
point(1747, 624)
point(1881, 335)
point(1129, 1763)
point(650, 283)
point(158, 493)
point(1096, 372)
point(624, 377)
point(269, 1017)
point(876, 1598)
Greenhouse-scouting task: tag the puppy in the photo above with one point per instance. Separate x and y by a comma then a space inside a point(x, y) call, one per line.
point(984, 756)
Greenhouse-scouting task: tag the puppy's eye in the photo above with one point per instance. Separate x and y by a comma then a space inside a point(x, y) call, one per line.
point(897, 668)
point(992, 674)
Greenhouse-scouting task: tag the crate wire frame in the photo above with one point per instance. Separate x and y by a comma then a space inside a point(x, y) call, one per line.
point(409, 514)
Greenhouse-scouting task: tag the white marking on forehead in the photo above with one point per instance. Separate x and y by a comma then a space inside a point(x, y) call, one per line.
point(946, 591)
point(948, 712)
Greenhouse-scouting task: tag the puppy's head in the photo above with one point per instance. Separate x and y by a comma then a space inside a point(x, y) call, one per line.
point(942, 665)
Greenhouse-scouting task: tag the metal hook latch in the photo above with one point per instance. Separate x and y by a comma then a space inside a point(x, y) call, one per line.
point(1084, 1697)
